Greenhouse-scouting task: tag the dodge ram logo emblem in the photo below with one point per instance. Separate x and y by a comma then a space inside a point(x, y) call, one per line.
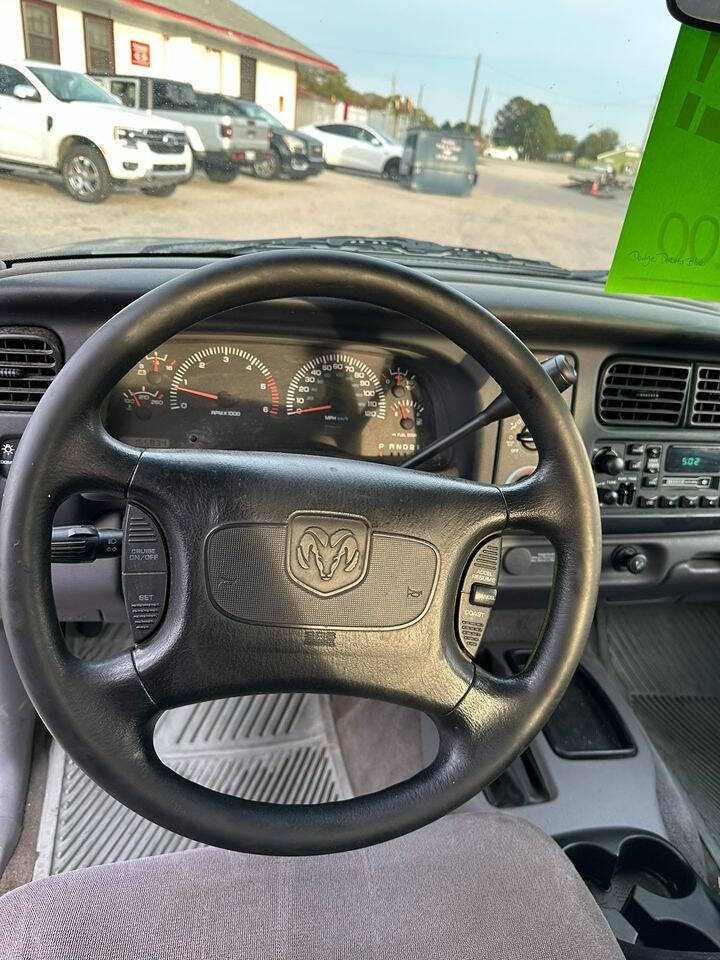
point(327, 553)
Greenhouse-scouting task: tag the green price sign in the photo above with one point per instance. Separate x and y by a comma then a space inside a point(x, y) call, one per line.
point(670, 241)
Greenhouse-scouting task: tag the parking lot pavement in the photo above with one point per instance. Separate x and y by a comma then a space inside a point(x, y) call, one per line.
point(517, 208)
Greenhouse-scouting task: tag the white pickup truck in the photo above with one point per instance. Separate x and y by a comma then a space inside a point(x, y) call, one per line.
point(54, 120)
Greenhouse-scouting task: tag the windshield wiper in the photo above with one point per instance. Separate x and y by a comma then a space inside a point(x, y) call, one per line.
point(394, 246)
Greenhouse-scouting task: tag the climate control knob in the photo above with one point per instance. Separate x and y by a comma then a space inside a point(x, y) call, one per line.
point(608, 461)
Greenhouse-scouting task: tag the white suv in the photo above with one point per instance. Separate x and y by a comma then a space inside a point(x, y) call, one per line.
point(357, 147)
point(57, 120)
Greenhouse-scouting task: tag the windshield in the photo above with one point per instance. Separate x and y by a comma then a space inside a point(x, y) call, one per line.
point(256, 112)
point(69, 87)
point(508, 132)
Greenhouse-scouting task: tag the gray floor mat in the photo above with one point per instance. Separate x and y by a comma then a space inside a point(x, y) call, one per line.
point(278, 748)
point(668, 659)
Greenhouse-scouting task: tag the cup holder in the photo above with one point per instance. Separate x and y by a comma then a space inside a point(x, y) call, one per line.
point(643, 861)
point(648, 891)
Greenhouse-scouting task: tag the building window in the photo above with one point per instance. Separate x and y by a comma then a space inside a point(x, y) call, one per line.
point(99, 44)
point(41, 31)
point(281, 103)
point(248, 66)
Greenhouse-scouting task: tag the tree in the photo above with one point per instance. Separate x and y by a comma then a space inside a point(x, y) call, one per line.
point(566, 142)
point(527, 126)
point(597, 143)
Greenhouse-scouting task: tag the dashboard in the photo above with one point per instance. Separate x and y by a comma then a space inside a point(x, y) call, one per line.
point(339, 378)
point(241, 392)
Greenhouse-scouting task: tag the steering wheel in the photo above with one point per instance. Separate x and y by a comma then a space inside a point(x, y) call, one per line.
point(243, 611)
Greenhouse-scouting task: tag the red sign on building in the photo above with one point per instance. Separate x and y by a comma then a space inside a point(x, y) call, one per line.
point(139, 53)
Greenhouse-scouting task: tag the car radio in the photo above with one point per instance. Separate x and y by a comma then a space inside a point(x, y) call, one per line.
point(657, 474)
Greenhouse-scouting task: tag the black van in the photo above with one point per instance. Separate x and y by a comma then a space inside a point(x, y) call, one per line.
point(295, 155)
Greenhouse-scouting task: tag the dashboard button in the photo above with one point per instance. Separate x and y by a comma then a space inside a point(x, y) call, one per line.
point(647, 502)
point(8, 449)
point(652, 466)
point(708, 502)
point(608, 497)
point(668, 503)
point(689, 502)
point(636, 449)
point(633, 464)
point(650, 481)
point(653, 452)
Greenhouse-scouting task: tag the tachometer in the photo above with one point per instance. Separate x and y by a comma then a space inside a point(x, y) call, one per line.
point(337, 389)
point(224, 381)
point(222, 394)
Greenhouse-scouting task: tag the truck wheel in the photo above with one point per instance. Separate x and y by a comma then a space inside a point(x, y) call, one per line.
point(164, 191)
point(391, 170)
point(221, 174)
point(85, 174)
point(268, 168)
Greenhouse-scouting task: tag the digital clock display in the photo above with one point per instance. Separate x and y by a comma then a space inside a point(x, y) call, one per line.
point(693, 460)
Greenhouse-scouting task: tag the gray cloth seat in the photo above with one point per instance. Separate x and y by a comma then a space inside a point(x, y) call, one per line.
point(470, 887)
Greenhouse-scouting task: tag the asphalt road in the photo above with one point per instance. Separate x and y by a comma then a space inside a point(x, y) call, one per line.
point(519, 208)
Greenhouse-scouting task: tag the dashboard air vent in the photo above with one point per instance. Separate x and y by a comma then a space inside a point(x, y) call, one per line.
point(29, 359)
point(705, 411)
point(643, 391)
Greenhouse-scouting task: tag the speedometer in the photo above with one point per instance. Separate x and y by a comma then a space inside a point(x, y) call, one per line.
point(337, 389)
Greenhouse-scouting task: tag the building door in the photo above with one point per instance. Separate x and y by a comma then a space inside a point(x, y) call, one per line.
point(41, 31)
point(248, 70)
point(99, 44)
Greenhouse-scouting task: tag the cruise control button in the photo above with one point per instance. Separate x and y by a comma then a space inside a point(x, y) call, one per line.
point(143, 547)
point(144, 601)
point(482, 596)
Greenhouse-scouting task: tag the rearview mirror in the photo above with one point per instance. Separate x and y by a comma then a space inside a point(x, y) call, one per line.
point(23, 91)
point(704, 14)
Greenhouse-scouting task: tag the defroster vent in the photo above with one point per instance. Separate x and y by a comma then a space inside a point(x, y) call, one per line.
point(705, 409)
point(29, 359)
point(643, 391)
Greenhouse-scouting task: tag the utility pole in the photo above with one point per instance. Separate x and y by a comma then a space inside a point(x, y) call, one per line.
point(471, 100)
point(483, 108)
point(418, 104)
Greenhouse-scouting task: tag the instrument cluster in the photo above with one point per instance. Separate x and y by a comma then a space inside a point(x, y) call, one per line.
point(235, 393)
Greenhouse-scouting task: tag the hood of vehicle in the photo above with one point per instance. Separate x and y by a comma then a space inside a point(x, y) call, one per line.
point(298, 135)
point(137, 119)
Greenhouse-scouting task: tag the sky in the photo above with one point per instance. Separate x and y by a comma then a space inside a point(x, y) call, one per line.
point(594, 64)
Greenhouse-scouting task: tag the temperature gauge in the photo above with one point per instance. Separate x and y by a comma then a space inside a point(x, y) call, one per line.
point(143, 402)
